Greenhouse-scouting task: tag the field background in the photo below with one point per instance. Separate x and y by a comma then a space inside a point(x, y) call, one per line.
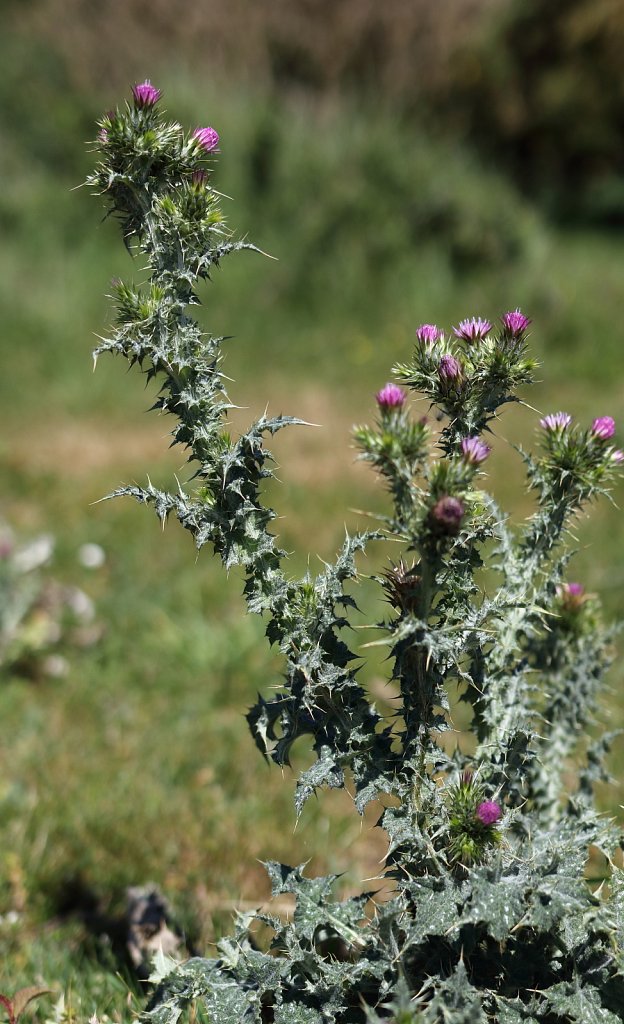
point(428, 163)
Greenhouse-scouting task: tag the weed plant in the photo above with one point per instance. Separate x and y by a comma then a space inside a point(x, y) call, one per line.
point(489, 916)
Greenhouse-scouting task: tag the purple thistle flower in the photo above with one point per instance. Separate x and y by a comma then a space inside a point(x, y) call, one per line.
point(428, 334)
point(572, 596)
point(556, 422)
point(603, 428)
point(515, 322)
point(391, 396)
point(616, 456)
point(488, 812)
point(449, 369)
point(145, 94)
point(446, 515)
point(207, 138)
point(473, 330)
point(474, 450)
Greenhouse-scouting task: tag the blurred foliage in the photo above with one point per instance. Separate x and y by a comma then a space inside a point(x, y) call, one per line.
point(538, 87)
point(544, 92)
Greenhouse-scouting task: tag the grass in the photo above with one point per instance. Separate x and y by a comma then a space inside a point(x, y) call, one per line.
point(137, 766)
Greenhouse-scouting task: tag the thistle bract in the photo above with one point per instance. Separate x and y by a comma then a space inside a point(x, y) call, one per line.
point(490, 918)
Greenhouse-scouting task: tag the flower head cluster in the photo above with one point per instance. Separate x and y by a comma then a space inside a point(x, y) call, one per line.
point(515, 323)
point(474, 450)
point(207, 138)
point(391, 396)
point(445, 517)
point(488, 812)
point(571, 596)
point(474, 329)
point(429, 334)
point(449, 369)
point(556, 422)
point(603, 428)
point(145, 94)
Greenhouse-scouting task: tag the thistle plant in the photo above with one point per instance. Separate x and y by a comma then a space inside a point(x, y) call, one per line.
point(489, 915)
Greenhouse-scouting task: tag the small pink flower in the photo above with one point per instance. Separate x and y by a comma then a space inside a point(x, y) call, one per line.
point(603, 428)
point(488, 812)
point(515, 322)
point(207, 138)
point(474, 450)
point(556, 422)
point(572, 596)
point(428, 334)
point(449, 368)
point(390, 397)
point(616, 456)
point(473, 330)
point(145, 94)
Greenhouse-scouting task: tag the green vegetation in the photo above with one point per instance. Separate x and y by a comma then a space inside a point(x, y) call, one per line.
point(112, 776)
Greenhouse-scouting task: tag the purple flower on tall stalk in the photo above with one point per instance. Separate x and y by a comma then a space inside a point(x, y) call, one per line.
point(208, 138)
point(603, 428)
point(391, 396)
point(449, 369)
point(488, 812)
point(145, 94)
point(515, 322)
point(474, 450)
point(556, 422)
point(474, 329)
point(428, 334)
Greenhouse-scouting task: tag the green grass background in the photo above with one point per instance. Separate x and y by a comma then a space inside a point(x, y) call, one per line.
point(137, 766)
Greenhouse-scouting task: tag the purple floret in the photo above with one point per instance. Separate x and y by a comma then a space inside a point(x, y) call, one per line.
point(603, 428)
point(556, 422)
point(428, 334)
point(145, 94)
point(489, 812)
point(391, 396)
point(447, 514)
point(515, 322)
point(474, 329)
point(208, 138)
point(474, 450)
point(449, 368)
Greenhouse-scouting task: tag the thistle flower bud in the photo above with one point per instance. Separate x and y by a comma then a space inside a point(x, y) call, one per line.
point(571, 596)
point(616, 456)
point(474, 329)
point(556, 422)
point(474, 450)
point(428, 334)
point(445, 517)
point(391, 396)
point(488, 812)
point(603, 428)
point(515, 323)
point(145, 94)
point(207, 138)
point(449, 369)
